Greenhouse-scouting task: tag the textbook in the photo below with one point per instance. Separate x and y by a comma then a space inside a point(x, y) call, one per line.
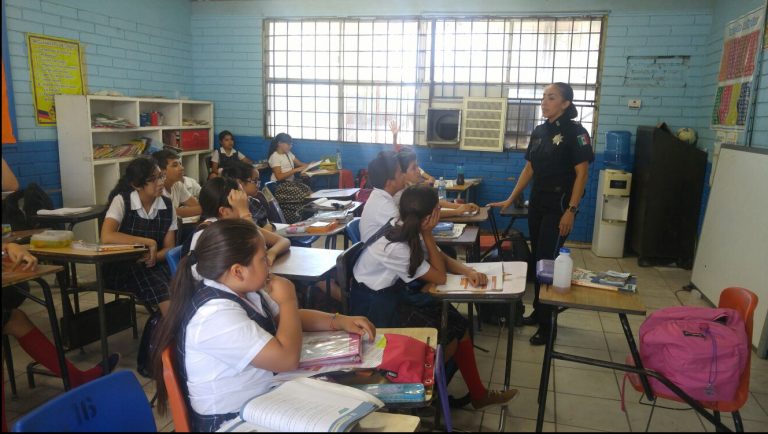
point(611, 280)
point(321, 227)
point(305, 405)
point(330, 348)
point(443, 228)
point(310, 166)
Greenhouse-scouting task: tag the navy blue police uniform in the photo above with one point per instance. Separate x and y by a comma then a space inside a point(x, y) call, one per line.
point(554, 150)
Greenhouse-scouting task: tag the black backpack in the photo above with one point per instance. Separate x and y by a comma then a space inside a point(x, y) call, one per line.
point(20, 207)
point(291, 196)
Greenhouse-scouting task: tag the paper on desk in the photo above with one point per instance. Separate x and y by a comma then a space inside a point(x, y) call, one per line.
point(63, 211)
point(511, 274)
point(280, 226)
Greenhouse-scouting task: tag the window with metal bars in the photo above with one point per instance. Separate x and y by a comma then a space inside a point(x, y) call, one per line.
point(345, 79)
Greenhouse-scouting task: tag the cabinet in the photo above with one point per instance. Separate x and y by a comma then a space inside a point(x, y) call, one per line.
point(87, 180)
point(666, 198)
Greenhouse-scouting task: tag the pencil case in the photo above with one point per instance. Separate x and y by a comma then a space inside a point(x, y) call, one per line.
point(545, 270)
point(52, 239)
point(391, 393)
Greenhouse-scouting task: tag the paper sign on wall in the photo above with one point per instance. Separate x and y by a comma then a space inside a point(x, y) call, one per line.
point(56, 67)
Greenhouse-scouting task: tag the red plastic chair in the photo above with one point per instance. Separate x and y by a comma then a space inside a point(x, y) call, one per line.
point(744, 302)
point(346, 178)
point(176, 400)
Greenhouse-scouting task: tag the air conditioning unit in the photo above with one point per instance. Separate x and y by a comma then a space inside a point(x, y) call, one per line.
point(483, 124)
point(443, 127)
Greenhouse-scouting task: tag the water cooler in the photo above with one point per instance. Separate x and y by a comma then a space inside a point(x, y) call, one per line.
point(611, 213)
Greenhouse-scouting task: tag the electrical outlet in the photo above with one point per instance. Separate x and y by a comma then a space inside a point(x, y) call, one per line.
point(634, 103)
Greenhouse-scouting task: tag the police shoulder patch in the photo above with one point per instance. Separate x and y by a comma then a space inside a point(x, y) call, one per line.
point(583, 139)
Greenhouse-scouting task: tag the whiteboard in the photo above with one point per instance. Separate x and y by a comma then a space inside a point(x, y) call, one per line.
point(733, 247)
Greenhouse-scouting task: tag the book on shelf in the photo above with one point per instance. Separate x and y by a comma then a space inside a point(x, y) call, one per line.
point(609, 280)
point(305, 405)
point(330, 348)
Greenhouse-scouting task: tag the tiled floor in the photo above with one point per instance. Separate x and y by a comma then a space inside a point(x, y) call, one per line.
point(581, 398)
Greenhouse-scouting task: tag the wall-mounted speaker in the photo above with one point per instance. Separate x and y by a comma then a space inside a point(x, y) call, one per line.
point(443, 126)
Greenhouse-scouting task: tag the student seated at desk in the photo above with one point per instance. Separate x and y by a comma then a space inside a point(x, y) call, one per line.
point(236, 325)
point(409, 165)
point(139, 213)
point(403, 250)
point(183, 201)
point(222, 199)
point(17, 324)
point(282, 161)
point(247, 177)
point(423, 176)
point(226, 154)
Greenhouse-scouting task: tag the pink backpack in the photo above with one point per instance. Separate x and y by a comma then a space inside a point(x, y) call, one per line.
point(701, 350)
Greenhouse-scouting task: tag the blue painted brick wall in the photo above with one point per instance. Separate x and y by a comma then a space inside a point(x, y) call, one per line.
point(140, 47)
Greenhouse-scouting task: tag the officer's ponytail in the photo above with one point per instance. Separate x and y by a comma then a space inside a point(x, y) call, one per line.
point(566, 92)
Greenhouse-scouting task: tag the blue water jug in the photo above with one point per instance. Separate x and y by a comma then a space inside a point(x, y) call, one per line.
point(617, 152)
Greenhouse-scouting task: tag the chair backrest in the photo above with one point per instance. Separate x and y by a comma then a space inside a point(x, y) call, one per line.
point(115, 402)
point(176, 400)
point(271, 186)
point(345, 263)
point(743, 301)
point(274, 212)
point(346, 178)
point(173, 257)
point(442, 387)
point(353, 230)
point(208, 163)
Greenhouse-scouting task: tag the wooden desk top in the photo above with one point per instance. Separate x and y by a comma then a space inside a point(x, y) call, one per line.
point(305, 263)
point(481, 216)
point(335, 193)
point(582, 297)
point(468, 183)
point(511, 211)
point(14, 277)
point(76, 255)
point(468, 237)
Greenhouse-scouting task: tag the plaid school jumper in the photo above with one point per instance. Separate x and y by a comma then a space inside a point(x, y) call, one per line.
point(212, 422)
point(148, 284)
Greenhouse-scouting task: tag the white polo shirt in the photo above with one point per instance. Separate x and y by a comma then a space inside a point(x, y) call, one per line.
point(116, 209)
point(221, 342)
point(379, 209)
point(286, 162)
point(178, 194)
point(381, 264)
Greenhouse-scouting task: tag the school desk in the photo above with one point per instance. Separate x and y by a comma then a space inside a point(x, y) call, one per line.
point(68, 255)
point(10, 280)
point(307, 264)
point(599, 300)
point(469, 188)
point(514, 213)
point(469, 240)
point(335, 193)
point(513, 289)
point(330, 236)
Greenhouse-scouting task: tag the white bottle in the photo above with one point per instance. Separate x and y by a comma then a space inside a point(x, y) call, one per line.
point(338, 159)
point(561, 280)
point(441, 189)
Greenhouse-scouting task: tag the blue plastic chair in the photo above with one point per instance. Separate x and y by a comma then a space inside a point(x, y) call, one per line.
point(442, 389)
point(112, 403)
point(173, 257)
point(353, 230)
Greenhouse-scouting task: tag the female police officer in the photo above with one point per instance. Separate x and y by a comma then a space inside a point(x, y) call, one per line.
point(558, 156)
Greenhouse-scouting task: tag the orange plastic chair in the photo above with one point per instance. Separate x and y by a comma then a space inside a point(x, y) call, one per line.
point(176, 399)
point(744, 302)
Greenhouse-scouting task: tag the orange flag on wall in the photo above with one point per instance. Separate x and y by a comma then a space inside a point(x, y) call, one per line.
point(8, 136)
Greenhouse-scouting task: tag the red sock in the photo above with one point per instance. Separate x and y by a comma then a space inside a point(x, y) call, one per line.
point(37, 345)
point(465, 359)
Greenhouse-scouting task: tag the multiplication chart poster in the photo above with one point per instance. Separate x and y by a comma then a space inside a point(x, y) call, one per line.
point(738, 63)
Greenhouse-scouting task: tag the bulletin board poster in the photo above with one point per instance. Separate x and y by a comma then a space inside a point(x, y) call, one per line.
point(741, 46)
point(56, 67)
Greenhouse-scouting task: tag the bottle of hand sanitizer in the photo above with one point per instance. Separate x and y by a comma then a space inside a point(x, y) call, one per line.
point(561, 279)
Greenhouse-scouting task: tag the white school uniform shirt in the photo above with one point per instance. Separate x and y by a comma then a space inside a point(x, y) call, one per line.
point(286, 162)
point(383, 262)
point(116, 209)
point(197, 234)
point(178, 194)
point(215, 154)
point(192, 186)
point(220, 343)
point(380, 208)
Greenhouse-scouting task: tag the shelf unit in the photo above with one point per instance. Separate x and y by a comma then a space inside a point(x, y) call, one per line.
point(85, 180)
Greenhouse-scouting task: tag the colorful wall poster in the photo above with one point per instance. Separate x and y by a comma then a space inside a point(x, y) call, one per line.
point(738, 64)
point(56, 67)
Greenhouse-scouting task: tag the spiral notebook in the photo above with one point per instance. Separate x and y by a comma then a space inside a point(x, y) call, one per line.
point(330, 348)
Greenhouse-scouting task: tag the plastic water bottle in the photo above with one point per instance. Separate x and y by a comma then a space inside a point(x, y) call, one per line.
point(338, 159)
point(441, 188)
point(460, 174)
point(561, 280)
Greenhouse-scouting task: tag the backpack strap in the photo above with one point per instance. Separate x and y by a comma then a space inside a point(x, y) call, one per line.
point(384, 230)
